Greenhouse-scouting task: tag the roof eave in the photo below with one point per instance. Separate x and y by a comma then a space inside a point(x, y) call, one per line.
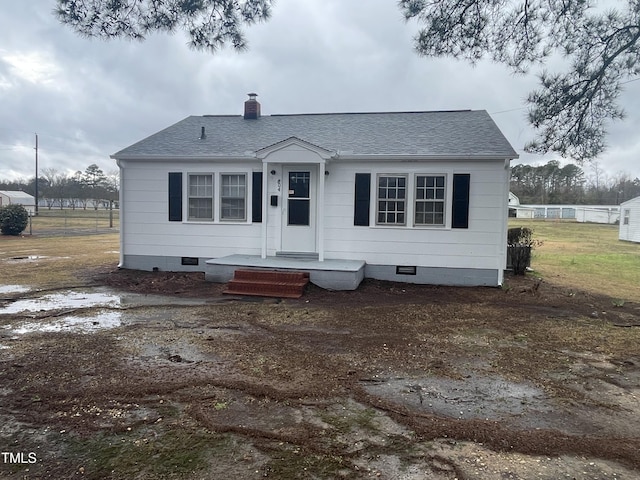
point(193, 158)
point(339, 156)
point(423, 157)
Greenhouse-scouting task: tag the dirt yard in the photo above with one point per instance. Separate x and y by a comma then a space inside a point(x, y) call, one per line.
point(159, 376)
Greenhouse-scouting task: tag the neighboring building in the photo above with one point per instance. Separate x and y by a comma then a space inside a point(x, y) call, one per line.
point(580, 213)
point(409, 196)
point(630, 220)
point(8, 197)
point(516, 210)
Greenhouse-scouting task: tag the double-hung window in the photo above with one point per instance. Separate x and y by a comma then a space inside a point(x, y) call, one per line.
point(625, 216)
point(233, 195)
point(200, 197)
point(392, 194)
point(430, 199)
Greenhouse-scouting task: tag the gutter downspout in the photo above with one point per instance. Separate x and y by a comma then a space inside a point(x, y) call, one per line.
point(505, 223)
point(121, 213)
point(265, 197)
point(320, 210)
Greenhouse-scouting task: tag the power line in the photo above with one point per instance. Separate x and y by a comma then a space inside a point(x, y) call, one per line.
point(629, 81)
point(524, 108)
point(510, 110)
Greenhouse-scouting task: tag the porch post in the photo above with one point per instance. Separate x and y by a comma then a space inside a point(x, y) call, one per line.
point(320, 210)
point(265, 196)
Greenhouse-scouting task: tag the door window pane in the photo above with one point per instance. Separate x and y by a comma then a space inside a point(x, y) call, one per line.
point(299, 184)
point(299, 204)
point(298, 212)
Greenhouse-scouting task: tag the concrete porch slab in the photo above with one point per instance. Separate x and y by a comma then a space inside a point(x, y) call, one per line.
point(330, 274)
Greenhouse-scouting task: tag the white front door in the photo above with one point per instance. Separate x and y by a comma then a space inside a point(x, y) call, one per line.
point(299, 209)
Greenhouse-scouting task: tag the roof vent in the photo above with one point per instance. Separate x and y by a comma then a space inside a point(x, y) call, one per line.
point(252, 107)
point(203, 135)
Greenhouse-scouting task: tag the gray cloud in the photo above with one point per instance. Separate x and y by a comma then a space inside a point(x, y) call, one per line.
point(88, 98)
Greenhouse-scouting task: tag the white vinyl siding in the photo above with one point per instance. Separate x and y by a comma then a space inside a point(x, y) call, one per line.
point(430, 199)
point(629, 229)
point(146, 232)
point(479, 246)
point(233, 197)
point(391, 204)
point(200, 192)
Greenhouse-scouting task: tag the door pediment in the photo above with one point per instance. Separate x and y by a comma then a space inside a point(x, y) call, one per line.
point(294, 150)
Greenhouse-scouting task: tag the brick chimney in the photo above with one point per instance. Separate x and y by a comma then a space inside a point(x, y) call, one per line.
point(252, 107)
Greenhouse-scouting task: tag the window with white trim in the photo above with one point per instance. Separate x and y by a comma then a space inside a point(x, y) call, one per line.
point(625, 216)
point(200, 196)
point(430, 199)
point(233, 196)
point(392, 193)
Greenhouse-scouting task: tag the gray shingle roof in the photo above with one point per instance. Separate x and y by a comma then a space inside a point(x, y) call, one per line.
point(470, 133)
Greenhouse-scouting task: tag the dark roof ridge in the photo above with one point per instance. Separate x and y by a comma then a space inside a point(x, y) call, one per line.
point(345, 113)
point(370, 113)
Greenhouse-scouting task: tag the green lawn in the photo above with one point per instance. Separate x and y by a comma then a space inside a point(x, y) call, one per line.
point(585, 255)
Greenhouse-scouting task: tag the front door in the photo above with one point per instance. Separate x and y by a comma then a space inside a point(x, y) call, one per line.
point(299, 210)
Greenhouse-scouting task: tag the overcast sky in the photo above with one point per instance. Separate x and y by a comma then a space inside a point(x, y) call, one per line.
point(87, 99)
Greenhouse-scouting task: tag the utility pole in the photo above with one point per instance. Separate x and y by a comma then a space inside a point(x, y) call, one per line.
point(36, 206)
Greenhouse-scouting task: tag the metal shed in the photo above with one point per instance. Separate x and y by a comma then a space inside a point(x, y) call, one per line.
point(9, 197)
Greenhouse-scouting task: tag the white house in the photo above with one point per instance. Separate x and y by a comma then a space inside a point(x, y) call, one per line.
point(8, 197)
point(408, 196)
point(630, 220)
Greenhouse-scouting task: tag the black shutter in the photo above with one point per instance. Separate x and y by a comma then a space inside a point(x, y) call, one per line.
point(362, 199)
point(460, 210)
point(175, 196)
point(256, 200)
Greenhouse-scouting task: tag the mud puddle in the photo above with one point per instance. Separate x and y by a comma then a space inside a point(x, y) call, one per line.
point(476, 397)
point(521, 405)
point(97, 298)
point(85, 311)
point(31, 258)
point(4, 289)
point(103, 320)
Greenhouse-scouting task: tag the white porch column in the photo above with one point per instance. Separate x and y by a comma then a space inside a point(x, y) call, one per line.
point(320, 210)
point(265, 197)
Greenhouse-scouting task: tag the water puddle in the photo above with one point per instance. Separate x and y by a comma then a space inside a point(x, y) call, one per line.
point(74, 324)
point(13, 289)
point(97, 298)
point(28, 258)
point(67, 311)
point(63, 301)
point(475, 397)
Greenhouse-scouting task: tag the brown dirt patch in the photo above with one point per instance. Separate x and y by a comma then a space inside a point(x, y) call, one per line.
point(333, 385)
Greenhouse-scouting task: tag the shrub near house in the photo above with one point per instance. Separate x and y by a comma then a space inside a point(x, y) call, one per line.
point(519, 244)
point(14, 219)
